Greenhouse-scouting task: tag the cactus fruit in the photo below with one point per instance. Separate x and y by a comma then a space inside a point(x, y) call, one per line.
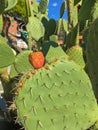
point(36, 59)
point(53, 98)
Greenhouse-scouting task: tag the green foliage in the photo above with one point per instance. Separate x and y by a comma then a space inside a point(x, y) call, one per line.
point(17, 7)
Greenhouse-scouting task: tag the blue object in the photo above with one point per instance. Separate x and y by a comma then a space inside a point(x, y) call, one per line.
point(3, 105)
point(54, 9)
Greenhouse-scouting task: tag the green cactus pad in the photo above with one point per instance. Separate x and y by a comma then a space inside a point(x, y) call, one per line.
point(92, 55)
point(11, 4)
point(6, 54)
point(75, 53)
point(51, 27)
point(53, 38)
point(2, 6)
point(1, 23)
point(53, 51)
point(56, 97)
point(22, 63)
point(77, 1)
point(13, 72)
point(62, 9)
point(86, 9)
point(43, 6)
point(36, 28)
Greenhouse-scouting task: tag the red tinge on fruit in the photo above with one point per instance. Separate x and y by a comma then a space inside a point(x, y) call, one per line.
point(31, 2)
point(78, 6)
point(36, 59)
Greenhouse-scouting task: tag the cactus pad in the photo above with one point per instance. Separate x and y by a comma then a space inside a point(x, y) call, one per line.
point(6, 54)
point(22, 63)
point(56, 97)
point(75, 53)
point(36, 28)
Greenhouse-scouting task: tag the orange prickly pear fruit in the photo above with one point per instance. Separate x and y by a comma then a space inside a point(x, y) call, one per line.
point(37, 59)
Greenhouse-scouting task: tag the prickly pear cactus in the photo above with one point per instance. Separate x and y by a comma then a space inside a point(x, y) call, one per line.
point(2, 6)
point(6, 54)
point(92, 56)
point(36, 28)
point(58, 96)
point(22, 63)
point(43, 6)
point(75, 53)
point(10, 4)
